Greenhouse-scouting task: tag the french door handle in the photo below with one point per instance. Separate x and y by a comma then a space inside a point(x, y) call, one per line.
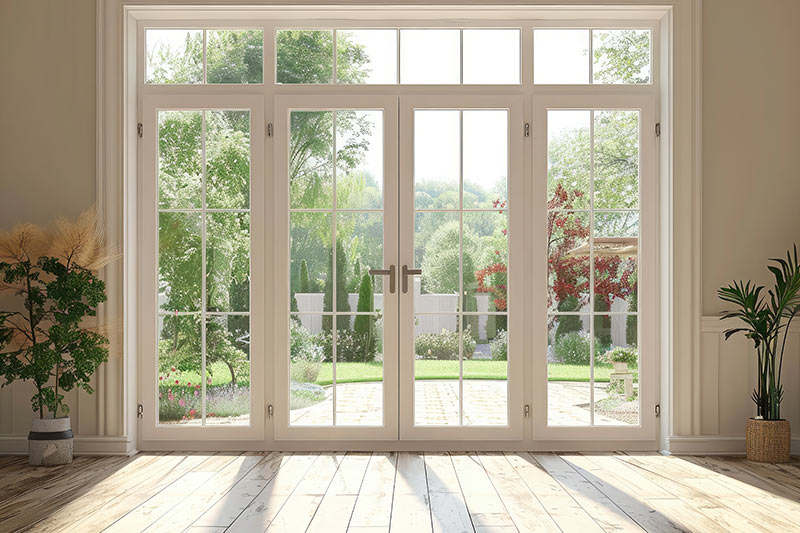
point(409, 272)
point(385, 272)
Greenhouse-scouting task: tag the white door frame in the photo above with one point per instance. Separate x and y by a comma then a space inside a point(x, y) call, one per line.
point(516, 279)
point(151, 430)
point(283, 106)
point(648, 286)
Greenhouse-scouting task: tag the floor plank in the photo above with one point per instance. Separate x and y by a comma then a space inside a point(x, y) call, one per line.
point(411, 509)
point(370, 493)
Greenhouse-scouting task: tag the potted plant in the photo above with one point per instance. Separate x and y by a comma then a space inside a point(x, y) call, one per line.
point(43, 339)
point(765, 320)
point(621, 358)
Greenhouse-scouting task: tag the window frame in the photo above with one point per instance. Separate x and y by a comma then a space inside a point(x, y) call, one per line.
point(657, 18)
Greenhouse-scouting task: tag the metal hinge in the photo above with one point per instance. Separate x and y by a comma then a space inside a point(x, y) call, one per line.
point(139, 130)
point(140, 411)
point(527, 130)
point(269, 411)
point(658, 129)
point(269, 129)
point(527, 411)
point(658, 410)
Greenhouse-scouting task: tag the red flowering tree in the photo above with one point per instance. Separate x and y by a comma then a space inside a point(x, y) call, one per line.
point(614, 276)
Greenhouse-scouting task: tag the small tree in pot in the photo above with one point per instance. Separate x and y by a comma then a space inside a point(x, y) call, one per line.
point(45, 340)
point(766, 319)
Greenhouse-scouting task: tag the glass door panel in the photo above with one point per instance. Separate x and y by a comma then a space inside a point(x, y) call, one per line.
point(455, 194)
point(340, 202)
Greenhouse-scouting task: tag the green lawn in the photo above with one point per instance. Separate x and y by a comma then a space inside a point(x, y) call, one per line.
point(358, 372)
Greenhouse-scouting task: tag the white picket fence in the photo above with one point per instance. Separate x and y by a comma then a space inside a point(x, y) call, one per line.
point(310, 305)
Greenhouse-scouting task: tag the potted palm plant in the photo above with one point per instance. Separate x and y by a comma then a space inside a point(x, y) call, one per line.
point(765, 320)
point(44, 338)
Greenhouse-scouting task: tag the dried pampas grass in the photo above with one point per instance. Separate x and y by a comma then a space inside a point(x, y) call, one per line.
point(25, 242)
point(80, 242)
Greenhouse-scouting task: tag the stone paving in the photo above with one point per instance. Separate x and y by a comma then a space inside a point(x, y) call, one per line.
point(437, 403)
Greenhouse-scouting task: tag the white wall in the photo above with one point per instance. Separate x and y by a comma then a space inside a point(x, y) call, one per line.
point(751, 187)
point(47, 148)
point(751, 182)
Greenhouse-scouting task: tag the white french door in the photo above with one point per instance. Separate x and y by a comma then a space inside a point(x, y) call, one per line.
point(335, 226)
point(392, 282)
point(461, 234)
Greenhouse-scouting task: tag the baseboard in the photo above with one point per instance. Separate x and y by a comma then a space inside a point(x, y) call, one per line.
point(714, 445)
point(18, 445)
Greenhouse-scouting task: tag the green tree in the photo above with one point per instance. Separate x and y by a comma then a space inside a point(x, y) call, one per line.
point(622, 56)
point(305, 283)
point(364, 325)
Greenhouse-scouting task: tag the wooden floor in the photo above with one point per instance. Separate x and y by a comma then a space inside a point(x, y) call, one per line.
point(405, 492)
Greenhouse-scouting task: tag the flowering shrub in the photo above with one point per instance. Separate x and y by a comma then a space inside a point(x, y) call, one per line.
point(181, 400)
point(444, 346)
point(499, 346)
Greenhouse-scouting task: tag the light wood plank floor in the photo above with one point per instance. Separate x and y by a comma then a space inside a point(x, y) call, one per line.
point(402, 492)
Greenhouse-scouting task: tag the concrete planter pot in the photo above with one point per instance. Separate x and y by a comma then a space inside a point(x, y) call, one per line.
point(768, 441)
point(50, 441)
point(620, 367)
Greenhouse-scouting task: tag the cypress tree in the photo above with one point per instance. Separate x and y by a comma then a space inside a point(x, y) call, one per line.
point(305, 284)
point(364, 326)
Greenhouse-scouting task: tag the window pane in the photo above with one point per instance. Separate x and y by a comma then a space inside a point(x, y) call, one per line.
point(359, 370)
point(311, 267)
point(430, 56)
point(560, 56)
point(311, 159)
point(616, 387)
point(228, 159)
point(179, 261)
point(567, 261)
point(484, 260)
point(486, 371)
point(180, 159)
point(304, 56)
point(359, 238)
point(616, 159)
point(228, 261)
point(359, 159)
point(436, 370)
point(235, 56)
point(437, 289)
point(437, 154)
point(311, 370)
point(180, 370)
point(621, 56)
point(568, 159)
point(366, 56)
point(491, 56)
point(485, 148)
point(568, 370)
point(228, 369)
point(174, 56)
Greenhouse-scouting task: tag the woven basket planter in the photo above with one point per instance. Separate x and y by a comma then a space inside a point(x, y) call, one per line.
point(768, 441)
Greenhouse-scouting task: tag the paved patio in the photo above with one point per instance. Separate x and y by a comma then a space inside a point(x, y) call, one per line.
point(436, 403)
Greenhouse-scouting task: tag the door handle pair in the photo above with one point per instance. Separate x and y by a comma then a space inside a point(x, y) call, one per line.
point(391, 273)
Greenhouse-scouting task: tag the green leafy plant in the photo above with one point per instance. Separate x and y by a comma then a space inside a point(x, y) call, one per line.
point(621, 354)
point(766, 319)
point(46, 341)
point(444, 346)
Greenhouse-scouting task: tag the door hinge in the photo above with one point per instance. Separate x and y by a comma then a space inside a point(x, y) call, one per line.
point(269, 411)
point(140, 411)
point(527, 130)
point(139, 130)
point(658, 129)
point(269, 129)
point(658, 410)
point(527, 410)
